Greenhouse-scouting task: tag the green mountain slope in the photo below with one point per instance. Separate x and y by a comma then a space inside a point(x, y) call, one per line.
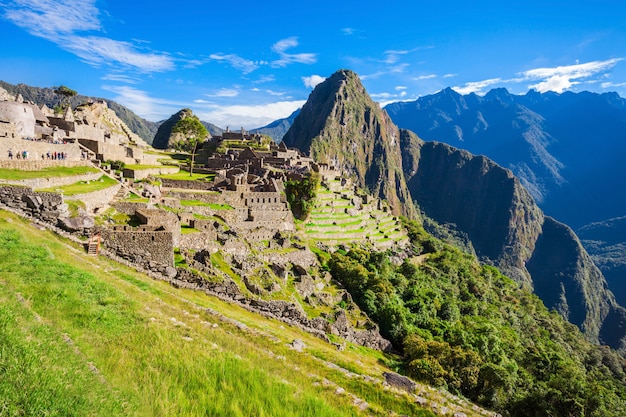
point(468, 328)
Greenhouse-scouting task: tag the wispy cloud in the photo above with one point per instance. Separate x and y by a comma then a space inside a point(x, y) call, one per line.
point(312, 81)
point(564, 77)
point(612, 85)
point(124, 78)
point(425, 77)
point(99, 51)
point(64, 22)
point(348, 31)
point(224, 92)
point(285, 59)
point(265, 79)
point(476, 86)
point(237, 62)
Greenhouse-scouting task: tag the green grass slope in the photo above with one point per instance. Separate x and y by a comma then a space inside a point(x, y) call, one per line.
point(85, 336)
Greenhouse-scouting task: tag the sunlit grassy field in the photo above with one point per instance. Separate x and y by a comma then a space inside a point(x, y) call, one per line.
point(16, 174)
point(85, 336)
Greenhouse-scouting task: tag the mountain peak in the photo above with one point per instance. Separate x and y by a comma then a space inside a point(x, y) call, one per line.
point(341, 125)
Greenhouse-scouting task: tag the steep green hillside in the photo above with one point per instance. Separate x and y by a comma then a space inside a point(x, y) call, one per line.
point(83, 336)
point(469, 328)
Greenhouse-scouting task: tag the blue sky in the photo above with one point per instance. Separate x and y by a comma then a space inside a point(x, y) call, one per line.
point(243, 63)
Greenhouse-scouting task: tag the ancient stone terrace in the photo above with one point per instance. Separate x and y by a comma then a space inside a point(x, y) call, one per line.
point(341, 216)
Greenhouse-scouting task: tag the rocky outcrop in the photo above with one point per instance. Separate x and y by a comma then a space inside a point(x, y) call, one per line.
point(340, 125)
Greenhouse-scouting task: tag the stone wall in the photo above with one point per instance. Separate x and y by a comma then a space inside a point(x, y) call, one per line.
point(128, 208)
point(210, 198)
point(42, 205)
point(21, 115)
point(98, 199)
point(140, 174)
point(205, 240)
point(145, 248)
point(186, 185)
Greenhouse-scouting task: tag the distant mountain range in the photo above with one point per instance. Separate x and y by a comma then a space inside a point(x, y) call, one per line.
point(567, 149)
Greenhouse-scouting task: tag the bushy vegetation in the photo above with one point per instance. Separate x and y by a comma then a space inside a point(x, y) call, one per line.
point(301, 194)
point(467, 327)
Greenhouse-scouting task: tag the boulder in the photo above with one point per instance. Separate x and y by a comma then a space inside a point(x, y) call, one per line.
point(76, 224)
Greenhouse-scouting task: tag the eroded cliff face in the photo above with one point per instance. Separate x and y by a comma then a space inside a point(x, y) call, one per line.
point(482, 199)
point(341, 125)
point(507, 228)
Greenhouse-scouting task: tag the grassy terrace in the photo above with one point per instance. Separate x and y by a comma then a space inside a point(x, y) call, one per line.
point(214, 206)
point(83, 187)
point(84, 336)
point(184, 175)
point(16, 174)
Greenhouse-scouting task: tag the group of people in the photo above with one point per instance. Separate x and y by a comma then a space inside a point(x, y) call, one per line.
point(53, 141)
point(19, 155)
point(49, 155)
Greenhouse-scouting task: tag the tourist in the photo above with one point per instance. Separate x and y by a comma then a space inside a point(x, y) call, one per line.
point(10, 154)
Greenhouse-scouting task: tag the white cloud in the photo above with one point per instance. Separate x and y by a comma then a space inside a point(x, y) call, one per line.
point(100, 51)
point(142, 104)
point(612, 85)
point(224, 92)
point(249, 117)
point(124, 78)
point(562, 77)
point(450, 75)
point(400, 87)
point(237, 62)
point(348, 31)
point(425, 77)
point(60, 22)
point(51, 18)
point(285, 59)
point(476, 86)
point(275, 93)
point(313, 80)
point(265, 79)
point(393, 56)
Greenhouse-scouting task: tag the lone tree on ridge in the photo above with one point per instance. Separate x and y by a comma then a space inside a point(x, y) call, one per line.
point(67, 93)
point(193, 133)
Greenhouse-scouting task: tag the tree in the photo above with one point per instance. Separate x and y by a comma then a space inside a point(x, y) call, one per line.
point(67, 93)
point(193, 133)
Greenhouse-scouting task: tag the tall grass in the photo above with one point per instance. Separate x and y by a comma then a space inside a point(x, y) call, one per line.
point(100, 339)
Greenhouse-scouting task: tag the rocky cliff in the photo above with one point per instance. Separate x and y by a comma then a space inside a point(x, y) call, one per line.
point(508, 229)
point(342, 126)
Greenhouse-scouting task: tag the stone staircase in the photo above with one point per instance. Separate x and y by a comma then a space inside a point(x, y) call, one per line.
point(93, 247)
